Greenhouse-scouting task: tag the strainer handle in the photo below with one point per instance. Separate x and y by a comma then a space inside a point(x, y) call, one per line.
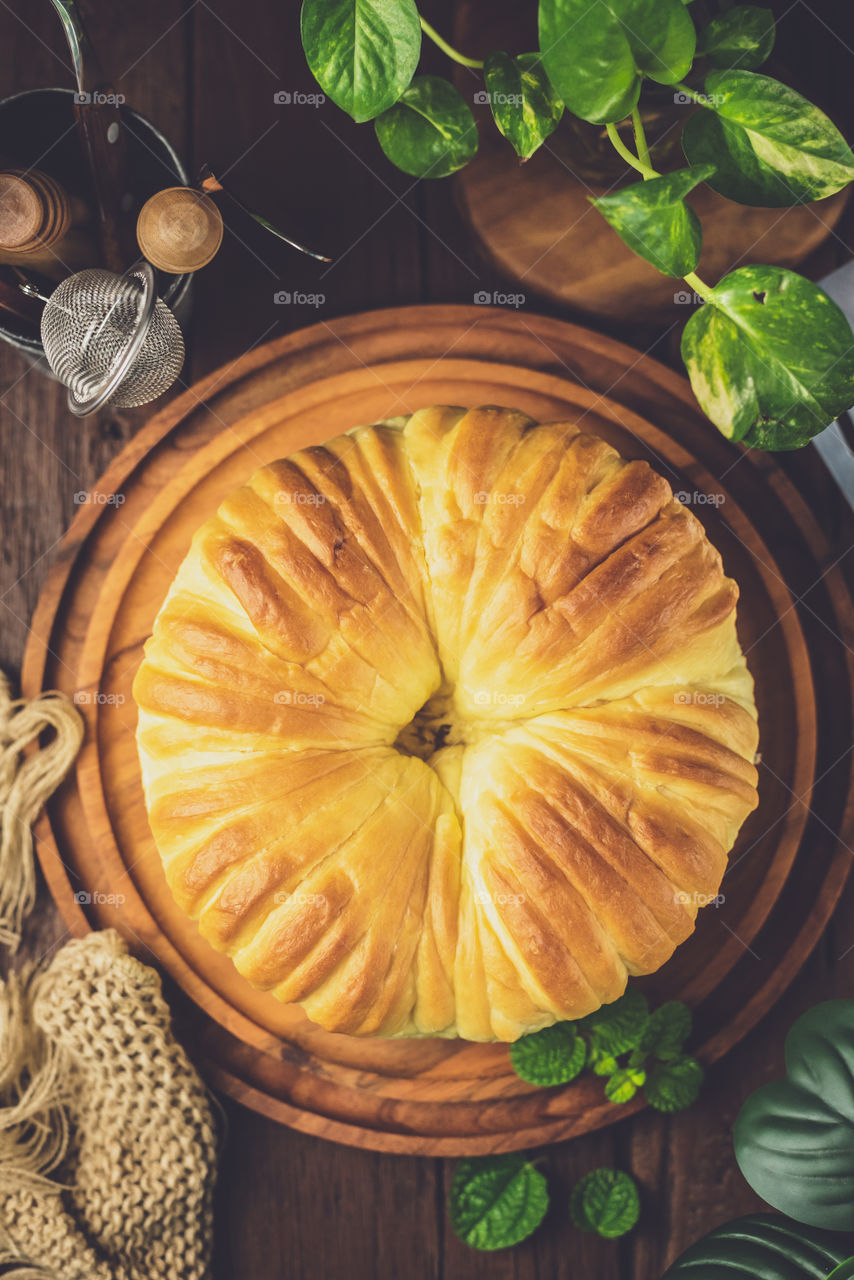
point(145, 272)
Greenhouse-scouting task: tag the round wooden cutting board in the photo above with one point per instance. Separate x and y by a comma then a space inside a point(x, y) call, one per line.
point(116, 564)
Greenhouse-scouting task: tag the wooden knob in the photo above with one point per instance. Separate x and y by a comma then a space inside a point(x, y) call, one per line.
point(35, 211)
point(179, 230)
point(41, 226)
point(22, 211)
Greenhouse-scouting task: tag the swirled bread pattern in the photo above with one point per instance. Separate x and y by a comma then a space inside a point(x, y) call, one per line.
point(445, 728)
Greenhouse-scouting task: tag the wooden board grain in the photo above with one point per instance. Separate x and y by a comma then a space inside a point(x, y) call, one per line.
point(118, 560)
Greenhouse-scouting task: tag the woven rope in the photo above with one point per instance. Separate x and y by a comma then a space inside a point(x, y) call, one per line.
point(107, 1136)
point(25, 784)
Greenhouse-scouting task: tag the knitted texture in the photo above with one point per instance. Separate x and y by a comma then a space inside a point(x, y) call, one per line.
point(108, 1105)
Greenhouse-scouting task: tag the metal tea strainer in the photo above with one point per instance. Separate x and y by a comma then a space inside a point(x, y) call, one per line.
point(111, 339)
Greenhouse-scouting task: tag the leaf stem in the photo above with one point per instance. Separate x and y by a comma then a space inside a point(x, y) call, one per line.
point(622, 150)
point(433, 34)
point(640, 139)
point(702, 98)
point(701, 289)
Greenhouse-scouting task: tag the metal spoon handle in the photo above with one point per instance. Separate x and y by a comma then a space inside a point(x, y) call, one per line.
point(210, 183)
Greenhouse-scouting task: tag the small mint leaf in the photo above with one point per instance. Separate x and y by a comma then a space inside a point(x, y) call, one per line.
point(616, 1028)
point(605, 1201)
point(668, 1028)
point(673, 1086)
point(552, 1056)
point(496, 1201)
point(623, 1084)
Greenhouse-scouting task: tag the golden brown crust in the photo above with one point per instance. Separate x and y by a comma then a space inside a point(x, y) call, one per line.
point(551, 623)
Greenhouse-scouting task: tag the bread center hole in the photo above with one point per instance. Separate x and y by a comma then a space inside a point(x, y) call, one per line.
point(432, 727)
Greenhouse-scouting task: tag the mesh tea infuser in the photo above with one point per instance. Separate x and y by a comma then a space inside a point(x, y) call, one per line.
point(110, 339)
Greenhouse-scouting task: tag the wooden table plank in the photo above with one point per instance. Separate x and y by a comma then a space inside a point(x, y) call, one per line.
point(288, 1205)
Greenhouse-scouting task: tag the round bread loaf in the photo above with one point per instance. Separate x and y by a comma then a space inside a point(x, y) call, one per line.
point(445, 728)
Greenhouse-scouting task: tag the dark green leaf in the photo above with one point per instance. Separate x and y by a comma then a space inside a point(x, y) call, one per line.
point(769, 145)
point(673, 1086)
point(845, 1271)
point(760, 1247)
point(623, 1084)
point(771, 358)
point(616, 1028)
point(552, 1056)
point(605, 1201)
point(655, 222)
point(596, 52)
point(794, 1139)
point(430, 132)
point(668, 1028)
point(524, 104)
point(496, 1201)
point(363, 53)
point(741, 37)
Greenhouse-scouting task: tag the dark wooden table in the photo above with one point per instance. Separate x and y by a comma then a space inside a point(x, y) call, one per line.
point(207, 73)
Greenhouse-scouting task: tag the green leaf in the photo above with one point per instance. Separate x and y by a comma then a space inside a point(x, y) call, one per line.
point(673, 1086)
point(668, 1028)
point(623, 1084)
point(769, 145)
point(496, 1201)
point(552, 1056)
point(363, 53)
point(430, 132)
point(845, 1271)
point(760, 1247)
point(794, 1139)
point(741, 37)
point(602, 1064)
point(616, 1028)
point(655, 222)
point(771, 358)
point(605, 1201)
point(523, 102)
point(596, 52)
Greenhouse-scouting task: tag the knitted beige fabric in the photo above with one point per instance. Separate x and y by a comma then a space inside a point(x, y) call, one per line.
point(99, 1096)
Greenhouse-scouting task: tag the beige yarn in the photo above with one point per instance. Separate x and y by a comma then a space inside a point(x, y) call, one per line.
point(25, 784)
point(107, 1135)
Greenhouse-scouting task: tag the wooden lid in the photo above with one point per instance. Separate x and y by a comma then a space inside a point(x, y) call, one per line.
point(179, 230)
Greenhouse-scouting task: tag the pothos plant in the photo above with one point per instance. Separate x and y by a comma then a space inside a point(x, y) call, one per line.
point(769, 355)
